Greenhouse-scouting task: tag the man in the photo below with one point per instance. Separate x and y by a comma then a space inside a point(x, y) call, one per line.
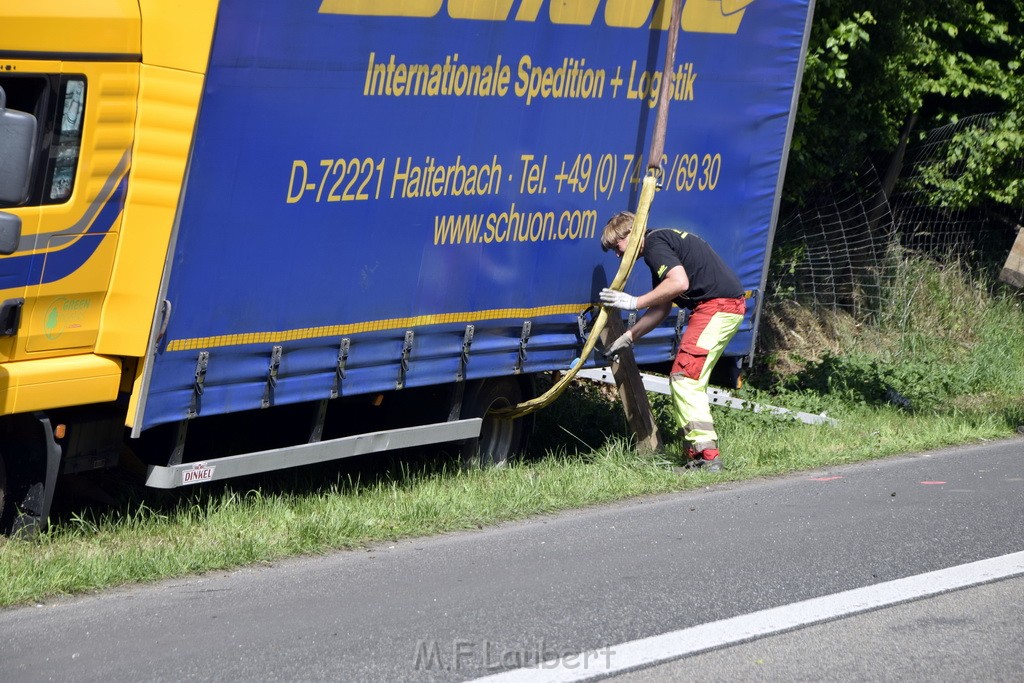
point(687, 271)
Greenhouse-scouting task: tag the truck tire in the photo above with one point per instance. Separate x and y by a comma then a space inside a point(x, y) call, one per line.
point(501, 439)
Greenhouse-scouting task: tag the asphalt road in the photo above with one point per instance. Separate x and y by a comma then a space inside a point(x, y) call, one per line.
point(466, 605)
point(973, 634)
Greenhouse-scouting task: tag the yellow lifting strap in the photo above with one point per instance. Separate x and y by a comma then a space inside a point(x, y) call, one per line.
point(629, 257)
point(650, 185)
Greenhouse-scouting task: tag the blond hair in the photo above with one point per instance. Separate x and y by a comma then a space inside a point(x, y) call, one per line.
point(617, 227)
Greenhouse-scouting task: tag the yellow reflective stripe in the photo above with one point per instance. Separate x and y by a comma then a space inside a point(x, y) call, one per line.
point(369, 326)
point(719, 331)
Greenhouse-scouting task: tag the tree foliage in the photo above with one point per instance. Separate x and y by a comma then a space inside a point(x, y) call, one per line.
point(873, 66)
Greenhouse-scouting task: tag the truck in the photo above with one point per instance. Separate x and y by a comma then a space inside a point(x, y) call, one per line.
point(244, 235)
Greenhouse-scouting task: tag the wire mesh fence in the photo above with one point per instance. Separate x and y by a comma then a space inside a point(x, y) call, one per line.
point(930, 222)
point(847, 251)
point(834, 254)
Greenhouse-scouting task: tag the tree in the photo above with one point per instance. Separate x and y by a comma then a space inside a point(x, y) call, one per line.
point(875, 65)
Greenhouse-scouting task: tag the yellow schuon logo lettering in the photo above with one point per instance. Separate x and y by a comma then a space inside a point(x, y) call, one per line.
point(699, 16)
point(713, 16)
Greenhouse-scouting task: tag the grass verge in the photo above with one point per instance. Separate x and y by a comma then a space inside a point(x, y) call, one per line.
point(236, 525)
point(916, 390)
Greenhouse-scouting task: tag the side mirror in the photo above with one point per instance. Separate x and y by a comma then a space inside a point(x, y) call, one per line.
point(10, 233)
point(17, 149)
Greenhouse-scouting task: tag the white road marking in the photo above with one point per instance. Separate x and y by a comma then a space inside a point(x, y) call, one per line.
point(688, 641)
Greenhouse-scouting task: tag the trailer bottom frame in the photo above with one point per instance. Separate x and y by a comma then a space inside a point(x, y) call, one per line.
point(185, 474)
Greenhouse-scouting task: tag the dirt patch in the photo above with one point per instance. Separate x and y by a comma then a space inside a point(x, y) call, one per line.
point(793, 335)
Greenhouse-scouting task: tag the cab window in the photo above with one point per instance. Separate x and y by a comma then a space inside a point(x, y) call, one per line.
point(58, 103)
point(67, 141)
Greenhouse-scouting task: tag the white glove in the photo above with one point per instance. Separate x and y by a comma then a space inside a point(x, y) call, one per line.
point(616, 299)
point(624, 341)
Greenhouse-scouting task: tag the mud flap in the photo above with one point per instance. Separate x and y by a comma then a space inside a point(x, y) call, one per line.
point(32, 479)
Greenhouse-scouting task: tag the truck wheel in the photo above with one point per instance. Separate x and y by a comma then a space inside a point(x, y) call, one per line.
point(501, 439)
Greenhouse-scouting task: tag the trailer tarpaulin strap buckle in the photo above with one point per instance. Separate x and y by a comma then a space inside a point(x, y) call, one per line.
point(339, 373)
point(524, 339)
point(467, 342)
point(681, 317)
point(404, 364)
point(198, 383)
point(584, 325)
point(275, 364)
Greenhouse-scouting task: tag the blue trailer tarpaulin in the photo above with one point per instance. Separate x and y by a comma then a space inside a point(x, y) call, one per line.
point(362, 170)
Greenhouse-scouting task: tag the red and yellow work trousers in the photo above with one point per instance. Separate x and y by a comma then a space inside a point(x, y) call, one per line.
point(712, 324)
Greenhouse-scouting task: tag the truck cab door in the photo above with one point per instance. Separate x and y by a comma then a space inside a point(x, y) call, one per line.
point(22, 97)
point(67, 252)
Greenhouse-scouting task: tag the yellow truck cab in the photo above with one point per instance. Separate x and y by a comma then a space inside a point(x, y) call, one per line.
point(87, 200)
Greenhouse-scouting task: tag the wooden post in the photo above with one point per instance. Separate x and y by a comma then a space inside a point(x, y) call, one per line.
point(631, 389)
point(1013, 269)
point(624, 370)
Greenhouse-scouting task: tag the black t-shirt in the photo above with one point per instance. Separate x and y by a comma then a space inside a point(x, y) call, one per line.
point(709, 277)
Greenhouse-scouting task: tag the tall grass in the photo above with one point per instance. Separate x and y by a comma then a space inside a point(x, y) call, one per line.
point(942, 339)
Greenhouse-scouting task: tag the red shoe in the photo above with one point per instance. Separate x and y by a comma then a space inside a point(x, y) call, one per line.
point(707, 459)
